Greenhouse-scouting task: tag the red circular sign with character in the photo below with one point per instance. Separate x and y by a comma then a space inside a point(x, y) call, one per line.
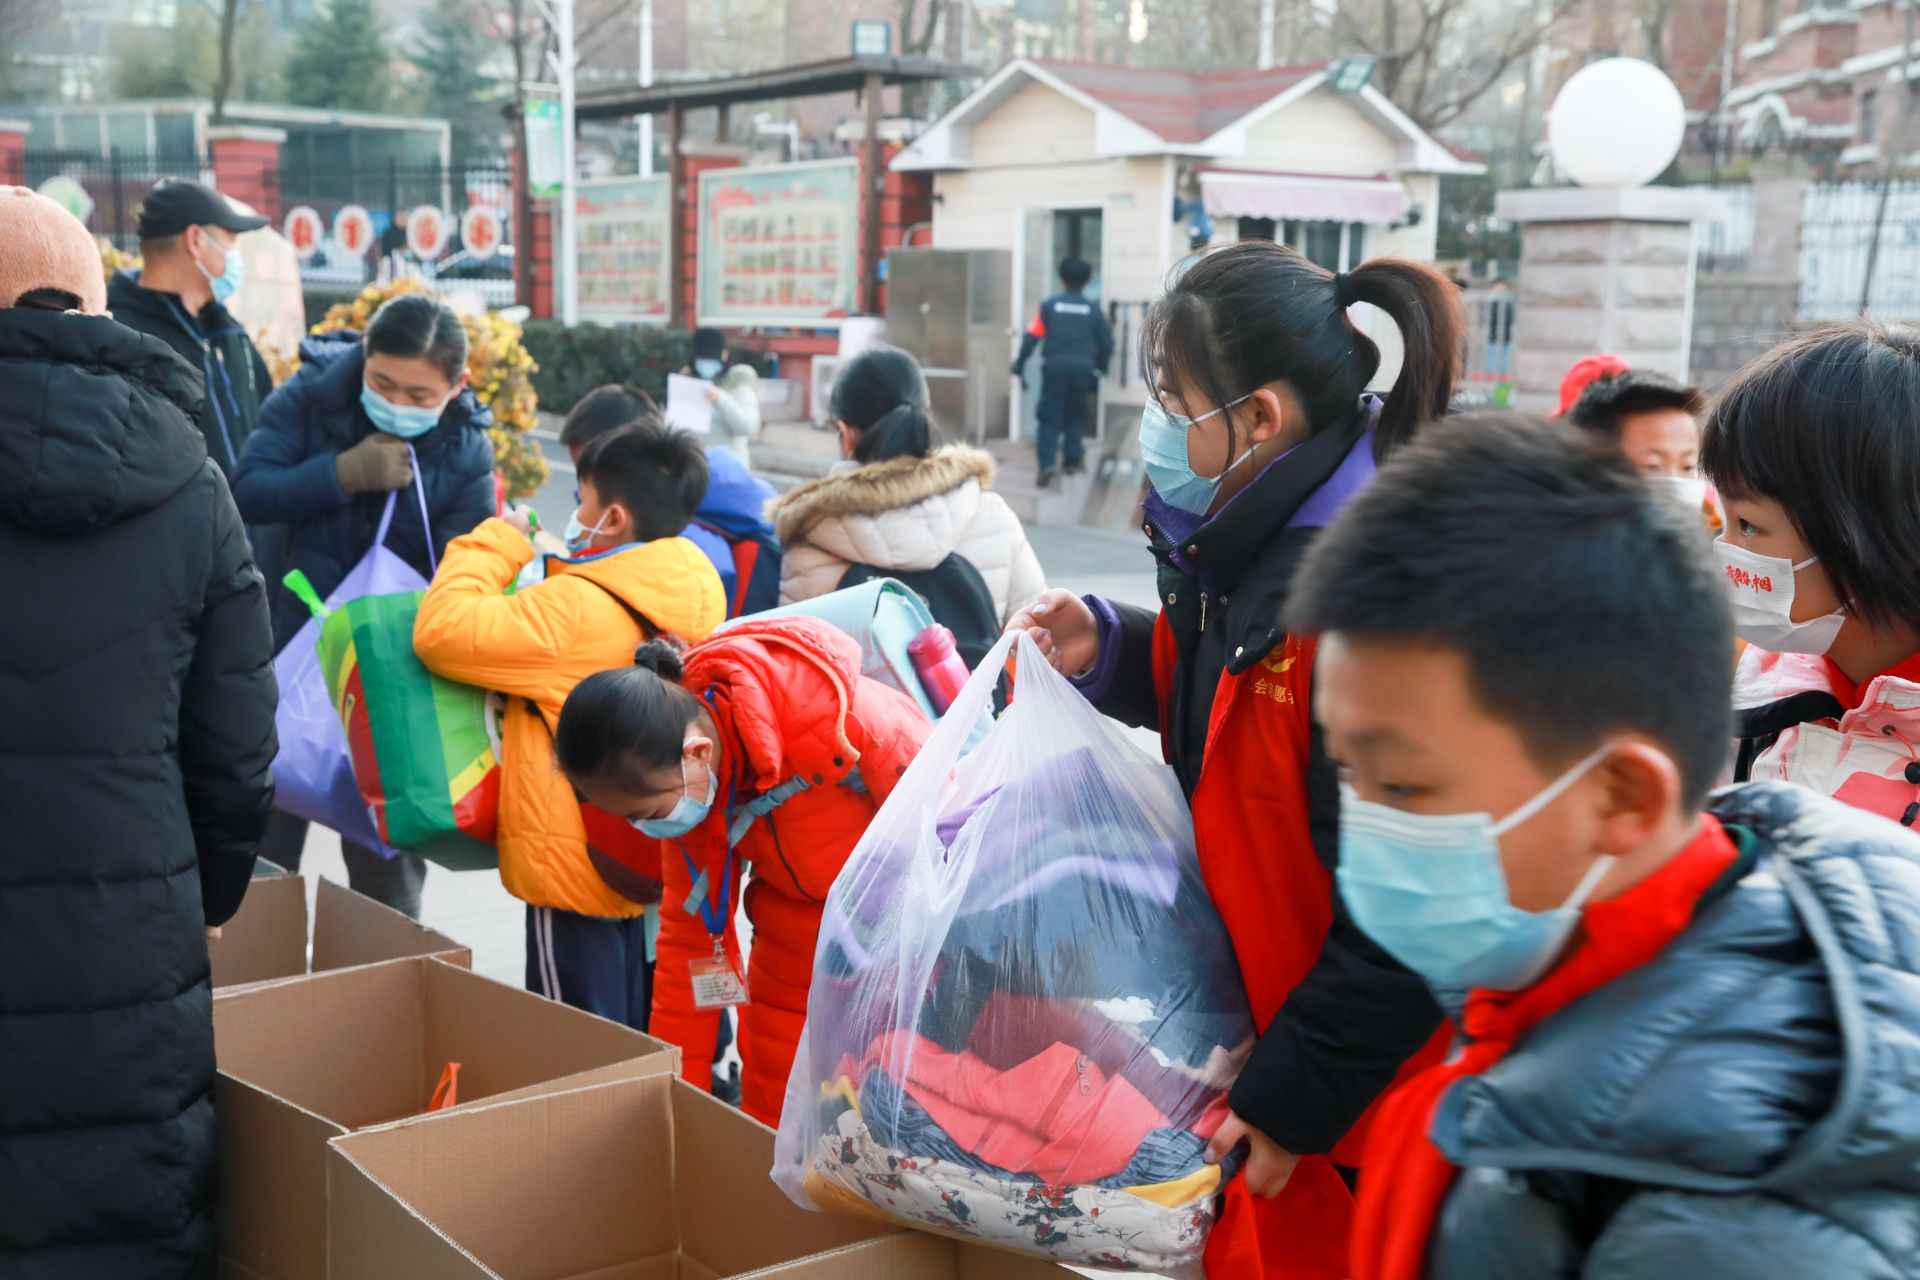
point(303, 230)
point(426, 232)
point(353, 228)
point(481, 231)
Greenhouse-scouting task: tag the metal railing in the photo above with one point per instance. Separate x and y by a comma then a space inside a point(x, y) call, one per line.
point(1836, 235)
point(115, 183)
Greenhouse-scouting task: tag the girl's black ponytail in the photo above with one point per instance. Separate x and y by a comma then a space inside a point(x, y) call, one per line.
point(632, 721)
point(904, 431)
point(1257, 312)
point(1426, 307)
point(882, 395)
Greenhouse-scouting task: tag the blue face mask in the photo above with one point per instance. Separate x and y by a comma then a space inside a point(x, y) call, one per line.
point(231, 276)
point(687, 814)
point(577, 536)
point(706, 368)
point(1163, 448)
point(1430, 888)
point(409, 422)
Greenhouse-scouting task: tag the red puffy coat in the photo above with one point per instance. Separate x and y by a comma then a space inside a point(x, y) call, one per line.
point(794, 714)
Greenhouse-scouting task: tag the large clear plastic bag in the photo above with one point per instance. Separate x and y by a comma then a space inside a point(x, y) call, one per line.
point(1025, 1012)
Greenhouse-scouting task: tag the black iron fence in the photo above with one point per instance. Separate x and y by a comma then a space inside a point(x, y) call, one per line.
point(109, 189)
point(113, 184)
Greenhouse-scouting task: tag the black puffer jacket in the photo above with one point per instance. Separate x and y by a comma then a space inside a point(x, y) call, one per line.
point(136, 731)
point(1745, 1105)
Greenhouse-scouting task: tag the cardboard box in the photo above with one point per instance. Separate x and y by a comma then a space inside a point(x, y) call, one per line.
point(307, 1060)
point(649, 1179)
point(912, 1255)
point(267, 938)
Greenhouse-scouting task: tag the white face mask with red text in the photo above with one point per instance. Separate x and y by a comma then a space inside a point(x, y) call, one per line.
point(1761, 588)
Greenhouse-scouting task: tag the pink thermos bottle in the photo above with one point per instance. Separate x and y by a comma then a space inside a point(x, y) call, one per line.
point(937, 662)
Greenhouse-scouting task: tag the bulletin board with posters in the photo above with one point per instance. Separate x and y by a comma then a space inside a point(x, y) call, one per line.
point(623, 249)
point(779, 245)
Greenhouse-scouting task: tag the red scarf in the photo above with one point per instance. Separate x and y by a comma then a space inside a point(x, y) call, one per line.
point(1407, 1178)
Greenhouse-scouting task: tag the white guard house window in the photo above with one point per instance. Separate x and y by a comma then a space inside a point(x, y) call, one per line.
point(1326, 218)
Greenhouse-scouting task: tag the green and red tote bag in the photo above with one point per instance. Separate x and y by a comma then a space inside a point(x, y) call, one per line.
point(425, 750)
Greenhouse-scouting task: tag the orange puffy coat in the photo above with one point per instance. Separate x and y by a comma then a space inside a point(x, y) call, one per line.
point(534, 646)
point(794, 713)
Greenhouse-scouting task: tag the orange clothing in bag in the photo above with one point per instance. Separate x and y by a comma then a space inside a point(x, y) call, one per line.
point(534, 646)
point(796, 719)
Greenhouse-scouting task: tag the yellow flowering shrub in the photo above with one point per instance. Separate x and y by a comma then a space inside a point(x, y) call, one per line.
point(112, 259)
point(498, 367)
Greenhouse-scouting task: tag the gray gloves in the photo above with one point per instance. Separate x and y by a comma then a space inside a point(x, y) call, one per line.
point(378, 464)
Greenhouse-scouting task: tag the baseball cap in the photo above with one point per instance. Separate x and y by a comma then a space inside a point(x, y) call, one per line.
point(176, 204)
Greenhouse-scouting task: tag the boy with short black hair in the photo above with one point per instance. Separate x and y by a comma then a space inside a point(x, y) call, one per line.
point(1075, 346)
point(648, 481)
point(731, 523)
point(603, 410)
point(1652, 419)
point(1672, 1055)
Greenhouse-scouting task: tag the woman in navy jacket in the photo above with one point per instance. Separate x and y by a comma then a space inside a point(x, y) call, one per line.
point(328, 448)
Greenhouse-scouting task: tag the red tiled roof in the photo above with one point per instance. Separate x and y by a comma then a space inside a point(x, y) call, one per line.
point(1179, 106)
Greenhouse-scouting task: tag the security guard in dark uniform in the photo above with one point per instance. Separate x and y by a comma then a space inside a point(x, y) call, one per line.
point(1076, 346)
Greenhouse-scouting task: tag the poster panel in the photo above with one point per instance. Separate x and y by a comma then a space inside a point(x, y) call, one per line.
point(623, 249)
point(779, 244)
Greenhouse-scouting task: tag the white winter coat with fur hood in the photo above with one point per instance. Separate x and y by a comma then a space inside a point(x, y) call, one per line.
point(906, 514)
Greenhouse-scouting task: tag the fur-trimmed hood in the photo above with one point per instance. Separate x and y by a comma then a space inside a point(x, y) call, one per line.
point(879, 487)
point(906, 515)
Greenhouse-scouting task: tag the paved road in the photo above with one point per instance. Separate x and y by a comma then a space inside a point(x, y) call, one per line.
point(472, 907)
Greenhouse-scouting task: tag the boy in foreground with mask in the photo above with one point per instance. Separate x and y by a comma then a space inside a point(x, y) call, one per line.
point(1686, 1025)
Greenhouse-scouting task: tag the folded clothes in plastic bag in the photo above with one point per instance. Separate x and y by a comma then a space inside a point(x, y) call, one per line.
point(1025, 1013)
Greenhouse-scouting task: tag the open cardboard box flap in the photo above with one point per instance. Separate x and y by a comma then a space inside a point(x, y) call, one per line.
point(266, 940)
point(913, 1255)
point(308, 1060)
point(646, 1179)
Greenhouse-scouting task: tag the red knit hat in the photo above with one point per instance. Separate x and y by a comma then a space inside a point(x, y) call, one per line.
point(1584, 374)
point(47, 248)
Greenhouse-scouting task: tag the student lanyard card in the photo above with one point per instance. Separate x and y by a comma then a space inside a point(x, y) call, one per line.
point(717, 983)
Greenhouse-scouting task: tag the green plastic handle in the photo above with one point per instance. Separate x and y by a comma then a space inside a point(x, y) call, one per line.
point(298, 584)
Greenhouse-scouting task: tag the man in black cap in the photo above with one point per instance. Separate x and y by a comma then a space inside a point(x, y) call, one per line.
point(191, 267)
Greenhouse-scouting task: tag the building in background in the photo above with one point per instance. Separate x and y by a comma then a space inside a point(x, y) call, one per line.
point(1126, 168)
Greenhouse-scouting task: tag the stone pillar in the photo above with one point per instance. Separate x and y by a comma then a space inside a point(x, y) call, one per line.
point(1777, 214)
point(1602, 269)
point(13, 152)
point(246, 165)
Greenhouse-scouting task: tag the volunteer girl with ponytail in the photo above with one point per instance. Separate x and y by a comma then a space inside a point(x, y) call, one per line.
point(1814, 447)
point(1257, 434)
point(761, 749)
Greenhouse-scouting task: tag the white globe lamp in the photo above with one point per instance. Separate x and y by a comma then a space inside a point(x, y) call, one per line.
point(1617, 123)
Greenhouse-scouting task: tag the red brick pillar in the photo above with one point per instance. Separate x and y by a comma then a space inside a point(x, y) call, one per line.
point(699, 159)
point(246, 165)
point(13, 152)
point(542, 258)
point(906, 209)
